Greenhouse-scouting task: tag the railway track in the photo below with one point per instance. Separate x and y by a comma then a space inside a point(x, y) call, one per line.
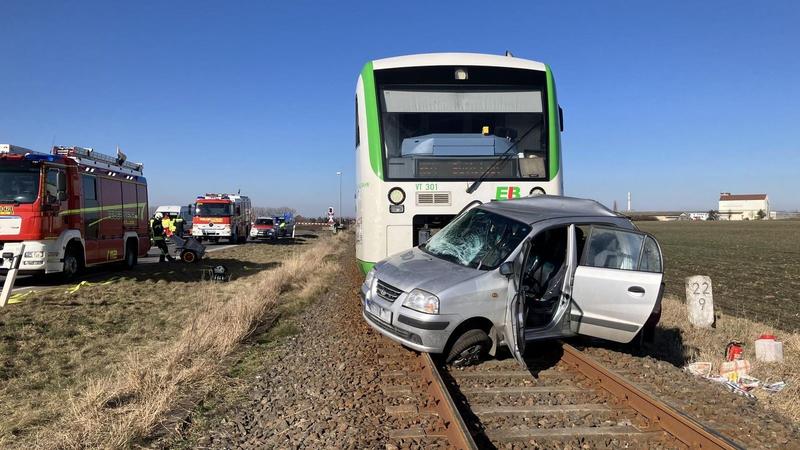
point(563, 399)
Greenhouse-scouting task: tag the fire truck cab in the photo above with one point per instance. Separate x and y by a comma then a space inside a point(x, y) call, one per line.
point(222, 216)
point(70, 209)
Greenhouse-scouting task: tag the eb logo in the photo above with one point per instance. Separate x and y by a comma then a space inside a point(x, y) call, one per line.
point(506, 192)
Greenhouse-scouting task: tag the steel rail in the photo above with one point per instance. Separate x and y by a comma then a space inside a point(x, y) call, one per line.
point(456, 430)
point(680, 426)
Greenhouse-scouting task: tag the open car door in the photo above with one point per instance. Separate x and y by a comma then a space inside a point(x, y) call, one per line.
point(517, 309)
point(616, 284)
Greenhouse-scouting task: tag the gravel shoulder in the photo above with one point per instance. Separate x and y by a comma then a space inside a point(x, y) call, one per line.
point(312, 382)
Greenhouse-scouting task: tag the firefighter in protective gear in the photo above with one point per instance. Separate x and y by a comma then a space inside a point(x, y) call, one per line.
point(157, 231)
point(282, 228)
point(168, 224)
point(178, 223)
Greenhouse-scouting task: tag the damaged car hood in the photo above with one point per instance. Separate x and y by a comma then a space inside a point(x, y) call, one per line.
point(415, 269)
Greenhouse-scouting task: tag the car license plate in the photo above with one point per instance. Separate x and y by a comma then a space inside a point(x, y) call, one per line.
point(379, 312)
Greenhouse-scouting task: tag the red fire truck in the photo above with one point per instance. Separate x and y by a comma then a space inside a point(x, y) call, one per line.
point(70, 209)
point(226, 216)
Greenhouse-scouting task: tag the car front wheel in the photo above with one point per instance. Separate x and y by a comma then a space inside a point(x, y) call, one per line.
point(469, 349)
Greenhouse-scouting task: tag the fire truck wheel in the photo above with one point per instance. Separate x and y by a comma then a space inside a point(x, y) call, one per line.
point(130, 255)
point(72, 262)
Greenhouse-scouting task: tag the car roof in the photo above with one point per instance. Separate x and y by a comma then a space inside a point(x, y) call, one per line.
point(543, 207)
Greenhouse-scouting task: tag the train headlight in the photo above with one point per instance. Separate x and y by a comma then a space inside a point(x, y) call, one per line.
point(422, 301)
point(537, 191)
point(397, 196)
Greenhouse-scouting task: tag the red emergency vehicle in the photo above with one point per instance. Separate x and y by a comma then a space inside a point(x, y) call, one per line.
point(70, 209)
point(225, 216)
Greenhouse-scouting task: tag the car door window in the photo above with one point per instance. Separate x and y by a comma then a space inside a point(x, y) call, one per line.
point(610, 248)
point(651, 256)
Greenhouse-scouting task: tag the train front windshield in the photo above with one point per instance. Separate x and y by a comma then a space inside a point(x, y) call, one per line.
point(456, 131)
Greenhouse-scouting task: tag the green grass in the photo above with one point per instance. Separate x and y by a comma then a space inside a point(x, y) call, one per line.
point(754, 265)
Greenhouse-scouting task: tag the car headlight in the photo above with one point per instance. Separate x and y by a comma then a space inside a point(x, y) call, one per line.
point(422, 301)
point(368, 280)
point(36, 254)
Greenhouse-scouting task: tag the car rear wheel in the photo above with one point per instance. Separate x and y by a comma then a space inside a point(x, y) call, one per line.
point(469, 349)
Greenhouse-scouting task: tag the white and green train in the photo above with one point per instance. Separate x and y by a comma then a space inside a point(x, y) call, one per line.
point(439, 133)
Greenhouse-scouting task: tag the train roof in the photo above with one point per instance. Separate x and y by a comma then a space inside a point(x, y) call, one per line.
point(543, 207)
point(457, 59)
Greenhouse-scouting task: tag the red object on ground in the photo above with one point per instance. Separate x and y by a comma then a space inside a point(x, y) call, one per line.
point(768, 336)
point(733, 351)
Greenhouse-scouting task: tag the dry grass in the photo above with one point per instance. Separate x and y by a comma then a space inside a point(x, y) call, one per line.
point(696, 344)
point(139, 397)
point(54, 342)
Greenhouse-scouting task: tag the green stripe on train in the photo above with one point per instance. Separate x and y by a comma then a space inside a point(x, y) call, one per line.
point(373, 125)
point(553, 124)
point(365, 266)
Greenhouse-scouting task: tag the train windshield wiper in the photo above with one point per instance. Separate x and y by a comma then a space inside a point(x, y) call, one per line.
point(505, 156)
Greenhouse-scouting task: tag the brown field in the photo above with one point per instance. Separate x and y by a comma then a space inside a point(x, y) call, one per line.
point(754, 265)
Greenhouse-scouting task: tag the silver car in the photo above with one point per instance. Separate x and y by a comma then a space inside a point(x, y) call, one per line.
point(508, 273)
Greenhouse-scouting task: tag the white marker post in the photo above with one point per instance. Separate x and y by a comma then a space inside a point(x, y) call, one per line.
point(700, 301)
point(11, 276)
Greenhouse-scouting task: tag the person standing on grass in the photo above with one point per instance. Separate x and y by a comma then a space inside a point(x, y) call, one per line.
point(157, 230)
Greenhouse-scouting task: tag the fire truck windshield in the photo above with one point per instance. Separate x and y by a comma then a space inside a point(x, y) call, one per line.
point(18, 184)
point(214, 209)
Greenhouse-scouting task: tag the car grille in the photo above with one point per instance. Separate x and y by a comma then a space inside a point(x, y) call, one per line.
point(388, 292)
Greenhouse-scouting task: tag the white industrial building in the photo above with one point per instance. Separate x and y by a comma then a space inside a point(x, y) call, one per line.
point(742, 206)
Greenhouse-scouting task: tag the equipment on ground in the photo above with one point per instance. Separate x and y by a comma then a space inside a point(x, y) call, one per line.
point(187, 249)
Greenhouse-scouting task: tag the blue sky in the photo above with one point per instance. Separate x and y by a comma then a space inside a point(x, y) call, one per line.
point(673, 101)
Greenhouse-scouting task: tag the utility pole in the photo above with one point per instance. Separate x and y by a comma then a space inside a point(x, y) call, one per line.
point(339, 174)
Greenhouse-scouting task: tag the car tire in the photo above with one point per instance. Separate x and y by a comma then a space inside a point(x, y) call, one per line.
point(469, 349)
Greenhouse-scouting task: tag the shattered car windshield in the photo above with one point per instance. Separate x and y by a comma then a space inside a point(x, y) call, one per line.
point(478, 239)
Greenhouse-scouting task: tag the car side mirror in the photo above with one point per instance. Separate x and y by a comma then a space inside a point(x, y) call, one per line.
point(507, 268)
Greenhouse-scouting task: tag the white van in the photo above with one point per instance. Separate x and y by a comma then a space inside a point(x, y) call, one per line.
point(184, 211)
